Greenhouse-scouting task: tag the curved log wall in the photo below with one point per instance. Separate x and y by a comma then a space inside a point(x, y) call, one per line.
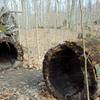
point(63, 71)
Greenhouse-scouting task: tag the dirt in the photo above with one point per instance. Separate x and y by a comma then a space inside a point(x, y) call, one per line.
point(23, 84)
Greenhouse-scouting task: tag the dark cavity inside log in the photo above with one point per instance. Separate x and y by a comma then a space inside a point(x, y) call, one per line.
point(8, 53)
point(63, 70)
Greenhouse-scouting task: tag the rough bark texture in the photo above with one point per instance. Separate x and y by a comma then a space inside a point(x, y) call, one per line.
point(63, 71)
point(93, 49)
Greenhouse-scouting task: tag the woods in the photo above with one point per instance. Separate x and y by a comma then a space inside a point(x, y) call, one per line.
point(56, 43)
point(51, 13)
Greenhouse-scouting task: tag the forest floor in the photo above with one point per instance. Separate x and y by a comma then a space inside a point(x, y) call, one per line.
point(26, 83)
point(23, 84)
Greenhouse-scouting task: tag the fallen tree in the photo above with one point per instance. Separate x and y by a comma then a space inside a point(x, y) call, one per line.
point(64, 73)
point(11, 53)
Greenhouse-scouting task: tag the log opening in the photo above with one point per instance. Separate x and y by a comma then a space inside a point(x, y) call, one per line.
point(63, 70)
point(8, 53)
point(11, 54)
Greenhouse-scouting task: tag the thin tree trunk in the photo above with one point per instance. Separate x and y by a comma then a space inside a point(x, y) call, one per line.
point(84, 48)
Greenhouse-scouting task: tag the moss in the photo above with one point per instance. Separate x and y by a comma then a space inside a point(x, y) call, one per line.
point(2, 28)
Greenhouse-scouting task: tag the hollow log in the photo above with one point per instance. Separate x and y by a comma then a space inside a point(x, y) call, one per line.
point(11, 52)
point(64, 72)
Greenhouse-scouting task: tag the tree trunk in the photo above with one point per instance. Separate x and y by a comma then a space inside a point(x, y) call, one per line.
point(63, 70)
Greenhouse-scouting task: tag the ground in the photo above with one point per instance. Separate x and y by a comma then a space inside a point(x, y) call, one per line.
point(23, 84)
point(27, 83)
